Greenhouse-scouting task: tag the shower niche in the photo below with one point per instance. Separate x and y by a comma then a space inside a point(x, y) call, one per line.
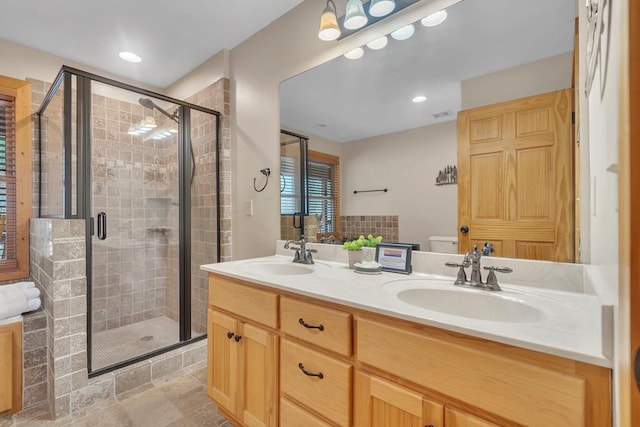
point(142, 170)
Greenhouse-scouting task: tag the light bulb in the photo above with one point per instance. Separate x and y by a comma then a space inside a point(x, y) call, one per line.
point(378, 43)
point(435, 18)
point(381, 7)
point(404, 32)
point(355, 17)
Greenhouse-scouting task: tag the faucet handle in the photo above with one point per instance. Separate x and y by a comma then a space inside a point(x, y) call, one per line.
point(492, 280)
point(462, 275)
point(453, 264)
point(499, 269)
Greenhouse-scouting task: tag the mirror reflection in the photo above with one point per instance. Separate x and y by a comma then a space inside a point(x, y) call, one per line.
point(371, 115)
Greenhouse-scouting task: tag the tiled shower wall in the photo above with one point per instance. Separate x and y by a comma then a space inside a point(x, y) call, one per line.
point(129, 183)
point(203, 200)
point(385, 226)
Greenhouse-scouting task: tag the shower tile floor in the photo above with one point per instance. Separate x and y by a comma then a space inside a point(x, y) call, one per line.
point(126, 342)
point(178, 400)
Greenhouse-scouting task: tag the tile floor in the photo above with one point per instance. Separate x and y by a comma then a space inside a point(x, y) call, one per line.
point(126, 342)
point(179, 400)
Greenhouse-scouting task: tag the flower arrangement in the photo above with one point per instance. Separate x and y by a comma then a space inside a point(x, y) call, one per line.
point(360, 242)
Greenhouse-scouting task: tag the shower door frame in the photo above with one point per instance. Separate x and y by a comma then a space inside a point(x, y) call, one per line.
point(84, 196)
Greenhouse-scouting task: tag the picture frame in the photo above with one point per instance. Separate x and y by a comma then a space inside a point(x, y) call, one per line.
point(394, 257)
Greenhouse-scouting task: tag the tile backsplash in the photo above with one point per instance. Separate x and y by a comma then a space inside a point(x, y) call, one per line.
point(386, 226)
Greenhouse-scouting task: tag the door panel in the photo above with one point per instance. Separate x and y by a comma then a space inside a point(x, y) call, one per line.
point(222, 358)
point(259, 395)
point(515, 162)
point(455, 418)
point(379, 403)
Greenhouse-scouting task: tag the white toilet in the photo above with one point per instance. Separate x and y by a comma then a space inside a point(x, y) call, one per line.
point(443, 244)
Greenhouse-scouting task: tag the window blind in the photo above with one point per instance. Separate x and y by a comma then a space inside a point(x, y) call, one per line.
point(7, 178)
point(321, 189)
point(290, 194)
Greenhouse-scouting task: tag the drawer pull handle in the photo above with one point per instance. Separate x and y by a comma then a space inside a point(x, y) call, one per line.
point(310, 374)
point(306, 325)
point(230, 334)
point(237, 338)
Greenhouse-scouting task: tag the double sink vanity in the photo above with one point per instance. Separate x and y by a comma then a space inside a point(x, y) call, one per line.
point(319, 345)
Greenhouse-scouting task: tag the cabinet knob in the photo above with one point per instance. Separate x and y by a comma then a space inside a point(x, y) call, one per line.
point(237, 338)
point(230, 334)
point(308, 326)
point(429, 425)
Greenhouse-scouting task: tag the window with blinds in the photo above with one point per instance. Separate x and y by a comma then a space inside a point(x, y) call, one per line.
point(323, 191)
point(290, 194)
point(7, 178)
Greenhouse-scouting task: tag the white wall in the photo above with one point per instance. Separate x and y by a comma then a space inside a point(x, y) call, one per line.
point(407, 164)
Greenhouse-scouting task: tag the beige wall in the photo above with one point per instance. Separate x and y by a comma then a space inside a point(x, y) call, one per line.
point(423, 208)
point(546, 75)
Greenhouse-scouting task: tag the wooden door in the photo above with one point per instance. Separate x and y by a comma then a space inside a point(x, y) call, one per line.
point(453, 418)
point(379, 403)
point(222, 381)
point(629, 220)
point(515, 186)
point(259, 389)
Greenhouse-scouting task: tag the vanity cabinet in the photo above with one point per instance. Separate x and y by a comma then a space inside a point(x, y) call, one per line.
point(11, 367)
point(281, 359)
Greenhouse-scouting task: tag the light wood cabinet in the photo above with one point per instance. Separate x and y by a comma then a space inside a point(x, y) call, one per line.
point(364, 369)
point(11, 367)
point(243, 370)
point(380, 403)
point(455, 418)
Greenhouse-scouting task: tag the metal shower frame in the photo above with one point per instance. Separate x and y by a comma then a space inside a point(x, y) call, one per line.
point(83, 179)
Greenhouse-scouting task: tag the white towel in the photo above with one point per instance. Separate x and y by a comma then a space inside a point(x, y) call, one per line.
point(24, 285)
point(13, 319)
point(13, 301)
point(33, 304)
point(32, 293)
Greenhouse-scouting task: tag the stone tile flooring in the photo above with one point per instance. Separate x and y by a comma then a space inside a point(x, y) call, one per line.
point(176, 401)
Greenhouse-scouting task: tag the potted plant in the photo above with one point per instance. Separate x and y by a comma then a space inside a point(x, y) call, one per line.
point(354, 247)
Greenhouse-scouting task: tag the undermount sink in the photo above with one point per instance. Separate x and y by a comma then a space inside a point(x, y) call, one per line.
point(278, 268)
point(480, 305)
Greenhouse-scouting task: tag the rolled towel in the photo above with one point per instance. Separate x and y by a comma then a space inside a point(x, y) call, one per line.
point(24, 285)
point(33, 304)
point(13, 301)
point(31, 293)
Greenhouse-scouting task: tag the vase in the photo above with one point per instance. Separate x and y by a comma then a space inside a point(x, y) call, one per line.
point(354, 257)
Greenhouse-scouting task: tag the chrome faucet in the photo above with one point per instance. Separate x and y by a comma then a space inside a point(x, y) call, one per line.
point(472, 259)
point(302, 255)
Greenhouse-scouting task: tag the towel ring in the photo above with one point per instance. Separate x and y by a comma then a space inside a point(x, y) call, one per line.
point(267, 173)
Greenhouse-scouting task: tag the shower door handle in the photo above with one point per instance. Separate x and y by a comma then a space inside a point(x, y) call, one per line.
point(102, 226)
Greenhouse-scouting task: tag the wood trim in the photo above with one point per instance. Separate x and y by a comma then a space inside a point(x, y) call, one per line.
point(629, 213)
point(21, 90)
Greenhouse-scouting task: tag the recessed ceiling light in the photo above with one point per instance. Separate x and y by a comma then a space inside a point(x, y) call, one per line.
point(420, 98)
point(130, 57)
point(404, 32)
point(378, 43)
point(435, 18)
point(355, 53)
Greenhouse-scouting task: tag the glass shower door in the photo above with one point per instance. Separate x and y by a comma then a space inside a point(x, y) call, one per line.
point(135, 225)
point(293, 205)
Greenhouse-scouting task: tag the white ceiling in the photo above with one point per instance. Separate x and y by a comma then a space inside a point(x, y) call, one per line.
point(371, 96)
point(171, 36)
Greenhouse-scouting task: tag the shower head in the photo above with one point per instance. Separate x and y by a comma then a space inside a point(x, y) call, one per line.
point(147, 103)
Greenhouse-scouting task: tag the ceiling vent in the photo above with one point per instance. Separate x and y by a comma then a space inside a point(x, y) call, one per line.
point(442, 114)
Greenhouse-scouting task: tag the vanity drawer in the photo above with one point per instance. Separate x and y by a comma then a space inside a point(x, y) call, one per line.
point(458, 369)
point(329, 395)
point(293, 415)
point(251, 303)
point(318, 325)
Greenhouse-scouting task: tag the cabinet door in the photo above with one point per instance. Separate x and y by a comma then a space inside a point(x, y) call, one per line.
point(259, 355)
point(455, 418)
point(222, 381)
point(379, 403)
point(6, 370)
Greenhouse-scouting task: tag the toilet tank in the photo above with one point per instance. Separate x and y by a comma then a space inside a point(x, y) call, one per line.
point(443, 244)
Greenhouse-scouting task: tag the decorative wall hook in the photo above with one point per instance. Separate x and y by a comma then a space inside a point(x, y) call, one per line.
point(267, 173)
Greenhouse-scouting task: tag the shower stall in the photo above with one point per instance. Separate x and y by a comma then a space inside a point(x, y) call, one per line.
point(143, 170)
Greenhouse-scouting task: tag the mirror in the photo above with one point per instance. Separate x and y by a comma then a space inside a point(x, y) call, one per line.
point(361, 110)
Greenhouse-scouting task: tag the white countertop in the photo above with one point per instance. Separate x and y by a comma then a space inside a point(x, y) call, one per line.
point(574, 325)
